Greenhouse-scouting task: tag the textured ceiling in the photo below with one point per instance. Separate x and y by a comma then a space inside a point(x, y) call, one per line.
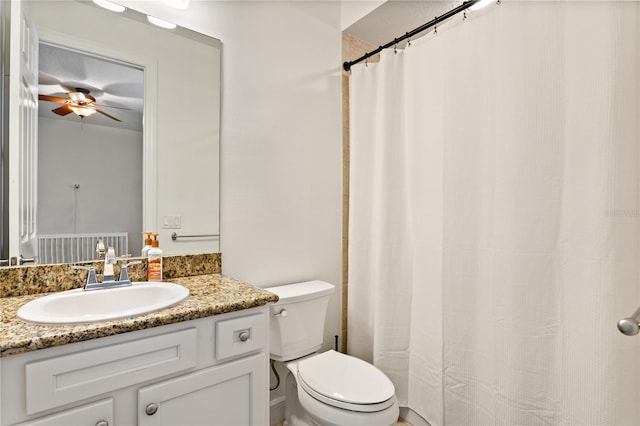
point(118, 88)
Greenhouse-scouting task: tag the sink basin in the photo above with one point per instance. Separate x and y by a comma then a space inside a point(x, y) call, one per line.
point(79, 306)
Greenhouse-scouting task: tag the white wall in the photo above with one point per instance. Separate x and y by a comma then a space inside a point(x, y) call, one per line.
point(281, 144)
point(106, 163)
point(281, 158)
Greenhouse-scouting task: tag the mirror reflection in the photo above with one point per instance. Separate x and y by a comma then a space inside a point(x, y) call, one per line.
point(89, 119)
point(122, 146)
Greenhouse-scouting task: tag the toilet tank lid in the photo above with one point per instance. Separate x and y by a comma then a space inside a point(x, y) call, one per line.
point(290, 293)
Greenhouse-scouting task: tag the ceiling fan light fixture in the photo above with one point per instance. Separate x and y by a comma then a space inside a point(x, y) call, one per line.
point(160, 22)
point(79, 97)
point(110, 6)
point(82, 111)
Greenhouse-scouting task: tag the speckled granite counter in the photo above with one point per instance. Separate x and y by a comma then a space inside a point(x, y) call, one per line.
point(209, 295)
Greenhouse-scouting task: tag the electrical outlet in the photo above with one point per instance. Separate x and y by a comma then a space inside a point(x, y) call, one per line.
point(171, 222)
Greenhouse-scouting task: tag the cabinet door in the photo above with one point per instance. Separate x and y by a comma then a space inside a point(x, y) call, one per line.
point(97, 414)
point(234, 393)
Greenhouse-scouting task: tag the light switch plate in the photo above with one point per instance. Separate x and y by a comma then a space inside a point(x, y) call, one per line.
point(171, 222)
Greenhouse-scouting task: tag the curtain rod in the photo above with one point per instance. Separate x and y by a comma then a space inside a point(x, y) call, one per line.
point(465, 5)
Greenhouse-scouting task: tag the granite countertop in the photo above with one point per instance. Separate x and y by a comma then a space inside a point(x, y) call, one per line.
point(210, 294)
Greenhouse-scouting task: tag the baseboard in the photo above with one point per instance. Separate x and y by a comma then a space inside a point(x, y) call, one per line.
point(276, 411)
point(412, 417)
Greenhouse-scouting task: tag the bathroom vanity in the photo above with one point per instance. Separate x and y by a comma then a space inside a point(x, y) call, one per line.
point(204, 361)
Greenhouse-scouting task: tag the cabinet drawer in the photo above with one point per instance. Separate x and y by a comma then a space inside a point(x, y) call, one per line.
point(56, 381)
point(90, 414)
point(239, 336)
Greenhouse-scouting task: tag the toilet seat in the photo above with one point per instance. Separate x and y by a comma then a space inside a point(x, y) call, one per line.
point(346, 382)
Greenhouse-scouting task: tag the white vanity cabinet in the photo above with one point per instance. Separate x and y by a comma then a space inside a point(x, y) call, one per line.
point(209, 371)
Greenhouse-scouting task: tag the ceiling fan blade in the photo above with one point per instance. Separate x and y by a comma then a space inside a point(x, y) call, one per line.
point(110, 116)
point(53, 99)
point(63, 110)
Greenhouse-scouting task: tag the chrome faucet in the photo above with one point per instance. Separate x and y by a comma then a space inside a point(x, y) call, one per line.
point(109, 261)
point(100, 252)
point(92, 280)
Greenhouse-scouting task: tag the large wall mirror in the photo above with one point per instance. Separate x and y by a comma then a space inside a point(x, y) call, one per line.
point(143, 157)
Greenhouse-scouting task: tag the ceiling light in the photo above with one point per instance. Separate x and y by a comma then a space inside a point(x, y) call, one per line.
point(110, 6)
point(479, 5)
point(160, 22)
point(178, 4)
point(82, 111)
point(79, 97)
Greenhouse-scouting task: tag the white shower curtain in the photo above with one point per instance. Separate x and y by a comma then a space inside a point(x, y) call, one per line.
point(494, 216)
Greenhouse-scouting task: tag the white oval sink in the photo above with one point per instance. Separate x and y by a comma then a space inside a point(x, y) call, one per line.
point(79, 306)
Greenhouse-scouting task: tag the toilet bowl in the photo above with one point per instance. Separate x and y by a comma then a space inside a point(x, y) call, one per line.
point(338, 389)
point(328, 388)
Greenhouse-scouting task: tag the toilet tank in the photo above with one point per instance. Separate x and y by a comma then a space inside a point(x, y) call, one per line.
point(297, 319)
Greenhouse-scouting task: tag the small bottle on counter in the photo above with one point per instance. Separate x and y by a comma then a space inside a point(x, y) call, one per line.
point(154, 260)
point(147, 244)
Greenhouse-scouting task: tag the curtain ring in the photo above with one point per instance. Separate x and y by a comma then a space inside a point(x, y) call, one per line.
point(464, 15)
point(395, 48)
point(435, 27)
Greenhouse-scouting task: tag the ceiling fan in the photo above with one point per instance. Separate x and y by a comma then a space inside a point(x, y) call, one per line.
point(79, 102)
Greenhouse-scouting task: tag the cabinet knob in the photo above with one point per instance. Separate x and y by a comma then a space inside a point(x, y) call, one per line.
point(244, 336)
point(102, 423)
point(151, 409)
point(282, 313)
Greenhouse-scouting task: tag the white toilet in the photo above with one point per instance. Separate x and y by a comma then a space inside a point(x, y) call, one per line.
point(330, 388)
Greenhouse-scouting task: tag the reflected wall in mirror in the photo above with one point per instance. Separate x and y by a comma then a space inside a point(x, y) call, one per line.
point(178, 156)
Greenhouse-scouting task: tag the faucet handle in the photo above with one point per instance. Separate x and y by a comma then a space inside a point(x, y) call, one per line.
point(124, 275)
point(91, 278)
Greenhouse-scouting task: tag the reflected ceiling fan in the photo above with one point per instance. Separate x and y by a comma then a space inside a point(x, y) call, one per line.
point(79, 102)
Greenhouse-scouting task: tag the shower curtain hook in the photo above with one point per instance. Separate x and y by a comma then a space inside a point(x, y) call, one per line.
point(408, 39)
point(395, 48)
point(464, 15)
point(435, 27)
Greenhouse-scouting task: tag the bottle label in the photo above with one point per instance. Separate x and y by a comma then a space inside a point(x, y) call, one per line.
point(154, 269)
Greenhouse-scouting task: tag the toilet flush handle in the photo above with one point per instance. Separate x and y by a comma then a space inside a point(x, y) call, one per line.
point(282, 313)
